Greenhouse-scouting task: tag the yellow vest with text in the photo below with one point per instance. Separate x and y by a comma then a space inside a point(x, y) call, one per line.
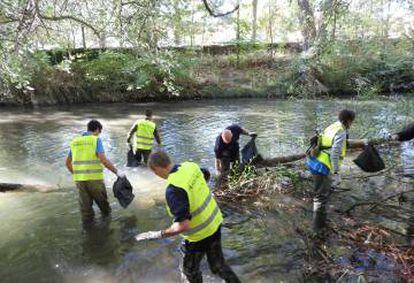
point(327, 139)
point(86, 165)
point(144, 136)
point(206, 216)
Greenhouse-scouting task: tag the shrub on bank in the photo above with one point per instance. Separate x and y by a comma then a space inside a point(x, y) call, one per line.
point(110, 77)
point(363, 68)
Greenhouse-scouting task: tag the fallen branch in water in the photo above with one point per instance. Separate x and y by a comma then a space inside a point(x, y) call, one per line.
point(352, 144)
point(374, 204)
point(5, 187)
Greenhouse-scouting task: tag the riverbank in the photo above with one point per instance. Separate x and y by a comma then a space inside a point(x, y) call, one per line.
point(345, 69)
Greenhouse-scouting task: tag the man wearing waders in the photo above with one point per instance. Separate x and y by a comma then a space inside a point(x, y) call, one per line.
point(86, 160)
point(196, 215)
point(145, 131)
point(326, 164)
point(227, 148)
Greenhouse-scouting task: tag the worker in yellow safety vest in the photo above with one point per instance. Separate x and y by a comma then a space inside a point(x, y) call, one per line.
point(197, 217)
point(142, 134)
point(326, 164)
point(85, 161)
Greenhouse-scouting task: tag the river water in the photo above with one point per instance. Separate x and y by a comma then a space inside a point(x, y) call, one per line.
point(41, 239)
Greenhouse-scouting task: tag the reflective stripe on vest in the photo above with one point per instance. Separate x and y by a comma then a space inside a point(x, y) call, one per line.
point(328, 136)
point(144, 136)
point(86, 165)
point(206, 216)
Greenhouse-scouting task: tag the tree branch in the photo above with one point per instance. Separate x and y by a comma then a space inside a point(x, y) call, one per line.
point(66, 17)
point(211, 12)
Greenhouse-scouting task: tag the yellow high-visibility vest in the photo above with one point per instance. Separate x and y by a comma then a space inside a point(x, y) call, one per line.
point(86, 165)
point(328, 136)
point(206, 216)
point(144, 136)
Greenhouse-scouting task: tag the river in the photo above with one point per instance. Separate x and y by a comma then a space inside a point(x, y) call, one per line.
point(41, 239)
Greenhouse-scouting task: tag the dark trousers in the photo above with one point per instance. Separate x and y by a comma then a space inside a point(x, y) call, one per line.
point(89, 192)
point(193, 253)
point(322, 190)
point(142, 154)
point(228, 161)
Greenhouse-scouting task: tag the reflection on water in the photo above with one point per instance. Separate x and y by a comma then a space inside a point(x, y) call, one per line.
point(41, 239)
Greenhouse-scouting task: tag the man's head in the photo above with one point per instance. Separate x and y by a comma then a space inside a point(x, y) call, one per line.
point(95, 127)
point(148, 114)
point(346, 117)
point(226, 136)
point(160, 163)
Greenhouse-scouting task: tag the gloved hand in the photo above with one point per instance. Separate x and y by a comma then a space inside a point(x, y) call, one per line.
point(150, 235)
point(395, 137)
point(253, 134)
point(120, 174)
point(336, 180)
point(391, 137)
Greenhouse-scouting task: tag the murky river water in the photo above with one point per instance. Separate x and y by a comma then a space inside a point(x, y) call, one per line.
point(41, 239)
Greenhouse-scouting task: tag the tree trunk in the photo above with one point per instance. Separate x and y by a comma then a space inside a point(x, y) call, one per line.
point(102, 40)
point(307, 20)
point(177, 23)
point(83, 37)
point(254, 22)
point(352, 144)
point(238, 37)
point(271, 28)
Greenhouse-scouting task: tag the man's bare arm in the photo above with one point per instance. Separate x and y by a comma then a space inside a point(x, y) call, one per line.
point(108, 164)
point(68, 164)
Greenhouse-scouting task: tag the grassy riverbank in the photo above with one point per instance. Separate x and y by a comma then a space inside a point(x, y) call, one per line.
point(364, 69)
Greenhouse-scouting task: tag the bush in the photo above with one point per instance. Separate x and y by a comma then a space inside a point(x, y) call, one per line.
point(111, 76)
point(364, 68)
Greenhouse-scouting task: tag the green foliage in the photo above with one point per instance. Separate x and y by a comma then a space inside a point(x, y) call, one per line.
point(240, 175)
point(365, 68)
point(112, 76)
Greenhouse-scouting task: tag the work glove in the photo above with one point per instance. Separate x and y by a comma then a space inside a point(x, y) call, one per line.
point(336, 180)
point(390, 137)
point(150, 235)
point(120, 174)
point(253, 134)
point(394, 137)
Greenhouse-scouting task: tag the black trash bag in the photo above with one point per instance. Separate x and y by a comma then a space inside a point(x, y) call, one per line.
point(407, 133)
point(249, 151)
point(369, 160)
point(122, 189)
point(206, 174)
point(131, 160)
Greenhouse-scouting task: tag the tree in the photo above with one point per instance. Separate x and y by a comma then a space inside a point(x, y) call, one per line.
point(254, 20)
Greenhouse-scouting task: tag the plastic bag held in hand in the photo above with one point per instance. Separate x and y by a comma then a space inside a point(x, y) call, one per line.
point(150, 235)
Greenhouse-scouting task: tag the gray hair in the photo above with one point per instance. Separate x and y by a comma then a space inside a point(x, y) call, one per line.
point(159, 158)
